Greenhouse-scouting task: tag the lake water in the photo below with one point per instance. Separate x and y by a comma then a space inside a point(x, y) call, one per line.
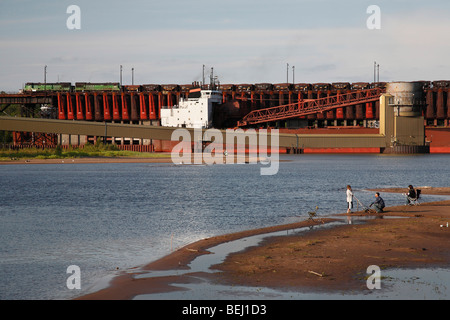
point(106, 216)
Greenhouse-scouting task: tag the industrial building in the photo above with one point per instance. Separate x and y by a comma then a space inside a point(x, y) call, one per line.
point(298, 109)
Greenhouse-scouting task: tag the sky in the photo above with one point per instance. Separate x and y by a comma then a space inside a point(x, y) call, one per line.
point(245, 41)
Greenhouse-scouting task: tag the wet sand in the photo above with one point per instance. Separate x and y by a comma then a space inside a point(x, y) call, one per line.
point(324, 259)
point(337, 259)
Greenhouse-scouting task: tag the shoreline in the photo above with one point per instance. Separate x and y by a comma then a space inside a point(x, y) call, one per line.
point(158, 159)
point(443, 191)
point(332, 259)
point(161, 157)
point(124, 286)
point(336, 259)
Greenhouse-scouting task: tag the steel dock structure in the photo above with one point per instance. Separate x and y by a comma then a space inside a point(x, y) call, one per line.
point(289, 107)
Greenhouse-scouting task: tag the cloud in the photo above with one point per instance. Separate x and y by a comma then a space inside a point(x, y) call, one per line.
point(408, 47)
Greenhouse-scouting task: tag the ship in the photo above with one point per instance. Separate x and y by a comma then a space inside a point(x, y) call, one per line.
point(195, 111)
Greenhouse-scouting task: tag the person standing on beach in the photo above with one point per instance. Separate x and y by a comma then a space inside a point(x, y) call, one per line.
point(349, 199)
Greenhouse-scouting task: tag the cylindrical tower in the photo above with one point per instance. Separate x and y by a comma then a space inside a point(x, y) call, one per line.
point(406, 102)
point(408, 98)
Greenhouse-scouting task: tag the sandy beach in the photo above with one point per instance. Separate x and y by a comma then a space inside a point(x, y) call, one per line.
point(324, 259)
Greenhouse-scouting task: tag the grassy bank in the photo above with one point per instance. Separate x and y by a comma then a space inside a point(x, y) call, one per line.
point(98, 150)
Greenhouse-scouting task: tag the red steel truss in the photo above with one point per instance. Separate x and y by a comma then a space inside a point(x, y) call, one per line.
point(35, 139)
point(310, 106)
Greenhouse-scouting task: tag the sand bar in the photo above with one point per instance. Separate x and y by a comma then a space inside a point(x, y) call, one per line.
point(329, 259)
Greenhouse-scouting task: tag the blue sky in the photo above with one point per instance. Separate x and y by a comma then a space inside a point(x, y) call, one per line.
point(246, 41)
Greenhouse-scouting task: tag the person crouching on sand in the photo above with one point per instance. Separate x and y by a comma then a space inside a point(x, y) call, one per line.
point(378, 204)
point(349, 199)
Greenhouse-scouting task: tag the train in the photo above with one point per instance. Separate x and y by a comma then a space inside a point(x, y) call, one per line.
point(111, 101)
point(43, 87)
point(299, 87)
point(93, 87)
point(68, 87)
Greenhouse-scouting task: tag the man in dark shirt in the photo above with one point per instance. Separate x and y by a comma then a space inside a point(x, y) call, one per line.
point(411, 195)
point(378, 204)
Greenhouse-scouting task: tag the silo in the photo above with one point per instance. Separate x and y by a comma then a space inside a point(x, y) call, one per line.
point(408, 98)
point(407, 102)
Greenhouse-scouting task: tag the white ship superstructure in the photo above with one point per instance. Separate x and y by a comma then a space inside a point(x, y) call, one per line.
point(194, 112)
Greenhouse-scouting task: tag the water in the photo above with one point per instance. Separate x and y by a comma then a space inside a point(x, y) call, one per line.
point(397, 284)
point(107, 216)
point(417, 284)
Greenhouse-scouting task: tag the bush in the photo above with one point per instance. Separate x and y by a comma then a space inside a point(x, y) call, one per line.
point(58, 150)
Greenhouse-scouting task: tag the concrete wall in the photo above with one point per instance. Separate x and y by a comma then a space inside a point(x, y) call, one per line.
point(409, 131)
